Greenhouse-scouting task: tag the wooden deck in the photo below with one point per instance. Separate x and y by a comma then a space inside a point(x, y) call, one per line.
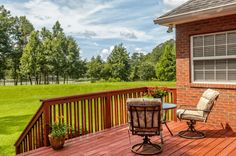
point(115, 141)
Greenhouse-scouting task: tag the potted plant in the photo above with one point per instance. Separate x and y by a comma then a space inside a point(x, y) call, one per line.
point(58, 134)
point(156, 92)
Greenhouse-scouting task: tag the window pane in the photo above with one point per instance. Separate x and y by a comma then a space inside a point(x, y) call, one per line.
point(208, 40)
point(221, 64)
point(220, 39)
point(231, 64)
point(221, 50)
point(198, 76)
point(231, 37)
point(210, 64)
point(209, 75)
point(209, 51)
point(221, 75)
point(198, 41)
point(198, 52)
point(198, 65)
point(232, 75)
point(231, 49)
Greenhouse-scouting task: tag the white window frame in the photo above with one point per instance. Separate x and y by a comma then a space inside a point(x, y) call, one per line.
point(210, 58)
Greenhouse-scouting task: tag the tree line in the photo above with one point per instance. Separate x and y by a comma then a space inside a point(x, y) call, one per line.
point(42, 55)
point(120, 66)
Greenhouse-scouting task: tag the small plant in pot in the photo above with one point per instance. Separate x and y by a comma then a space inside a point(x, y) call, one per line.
point(58, 134)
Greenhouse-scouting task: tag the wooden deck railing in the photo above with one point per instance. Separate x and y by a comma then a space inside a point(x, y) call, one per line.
point(84, 114)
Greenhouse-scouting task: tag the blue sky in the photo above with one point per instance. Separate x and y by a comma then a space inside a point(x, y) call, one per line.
point(98, 25)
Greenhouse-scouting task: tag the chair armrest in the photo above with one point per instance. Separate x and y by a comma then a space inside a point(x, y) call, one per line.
point(192, 108)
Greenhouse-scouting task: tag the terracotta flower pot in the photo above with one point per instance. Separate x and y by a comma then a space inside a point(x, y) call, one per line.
point(56, 143)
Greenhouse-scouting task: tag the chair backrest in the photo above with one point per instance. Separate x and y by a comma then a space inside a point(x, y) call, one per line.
point(144, 116)
point(207, 101)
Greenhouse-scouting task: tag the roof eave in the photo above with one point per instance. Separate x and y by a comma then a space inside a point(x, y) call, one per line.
point(196, 15)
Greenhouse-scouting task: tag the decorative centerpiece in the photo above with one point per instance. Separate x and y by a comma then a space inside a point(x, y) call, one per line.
point(156, 92)
point(58, 134)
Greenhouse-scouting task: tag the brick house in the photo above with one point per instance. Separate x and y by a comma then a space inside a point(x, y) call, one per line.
point(206, 54)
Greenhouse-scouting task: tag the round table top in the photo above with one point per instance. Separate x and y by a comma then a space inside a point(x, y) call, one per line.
point(166, 106)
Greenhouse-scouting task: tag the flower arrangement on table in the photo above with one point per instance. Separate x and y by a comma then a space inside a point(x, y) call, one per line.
point(156, 92)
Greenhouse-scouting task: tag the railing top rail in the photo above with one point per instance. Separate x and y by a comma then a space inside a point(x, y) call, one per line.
point(92, 95)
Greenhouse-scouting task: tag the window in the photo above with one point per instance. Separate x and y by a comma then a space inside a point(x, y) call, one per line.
point(213, 57)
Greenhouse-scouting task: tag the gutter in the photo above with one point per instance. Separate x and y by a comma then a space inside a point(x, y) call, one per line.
point(192, 16)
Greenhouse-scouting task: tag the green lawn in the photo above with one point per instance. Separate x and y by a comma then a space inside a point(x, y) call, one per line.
point(19, 103)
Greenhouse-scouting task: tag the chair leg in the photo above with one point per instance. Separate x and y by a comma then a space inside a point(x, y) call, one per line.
point(146, 141)
point(191, 132)
point(161, 136)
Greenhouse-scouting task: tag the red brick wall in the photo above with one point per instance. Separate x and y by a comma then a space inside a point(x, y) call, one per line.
point(224, 111)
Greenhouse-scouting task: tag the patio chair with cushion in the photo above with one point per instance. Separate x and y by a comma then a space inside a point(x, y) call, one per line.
point(145, 120)
point(197, 113)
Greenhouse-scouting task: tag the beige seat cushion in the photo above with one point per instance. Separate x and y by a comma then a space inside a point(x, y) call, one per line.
point(190, 115)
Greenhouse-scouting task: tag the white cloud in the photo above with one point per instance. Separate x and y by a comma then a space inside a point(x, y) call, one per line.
point(76, 18)
point(171, 4)
point(140, 50)
point(106, 52)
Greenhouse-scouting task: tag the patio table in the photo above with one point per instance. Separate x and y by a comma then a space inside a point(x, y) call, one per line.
point(166, 107)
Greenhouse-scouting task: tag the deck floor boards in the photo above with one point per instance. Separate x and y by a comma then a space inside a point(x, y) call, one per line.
point(115, 141)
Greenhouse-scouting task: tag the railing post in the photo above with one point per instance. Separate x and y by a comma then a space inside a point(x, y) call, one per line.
point(108, 112)
point(46, 124)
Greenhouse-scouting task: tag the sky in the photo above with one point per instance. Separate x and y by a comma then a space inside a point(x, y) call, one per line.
point(98, 25)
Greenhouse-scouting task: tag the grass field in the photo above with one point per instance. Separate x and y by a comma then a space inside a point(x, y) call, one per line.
point(19, 103)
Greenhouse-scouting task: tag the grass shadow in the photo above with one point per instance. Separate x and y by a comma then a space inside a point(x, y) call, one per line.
point(13, 124)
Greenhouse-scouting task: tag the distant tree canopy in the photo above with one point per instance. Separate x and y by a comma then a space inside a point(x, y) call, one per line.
point(40, 56)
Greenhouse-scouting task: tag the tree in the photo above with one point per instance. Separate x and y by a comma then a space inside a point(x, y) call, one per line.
point(58, 50)
point(158, 51)
point(95, 67)
point(32, 55)
point(119, 61)
point(146, 71)
point(166, 67)
point(106, 71)
point(21, 31)
point(75, 67)
point(46, 63)
point(6, 26)
point(136, 60)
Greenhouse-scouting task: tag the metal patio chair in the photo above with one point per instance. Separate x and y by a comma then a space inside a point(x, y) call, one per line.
point(145, 120)
point(200, 112)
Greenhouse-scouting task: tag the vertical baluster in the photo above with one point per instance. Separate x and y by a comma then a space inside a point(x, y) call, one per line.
point(30, 140)
point(102, 112)
point(59, 111)
point(95, 115)
point(71, 125)
point(83, 109)
point(121, 109)
point(67, 118)
point(54, 112)
point(78, 116)
point(126, 117)
point(41, 129)
point(116, 109)
point(62, 112)
point(90, 115)
point(75, 120)
point(111, 110)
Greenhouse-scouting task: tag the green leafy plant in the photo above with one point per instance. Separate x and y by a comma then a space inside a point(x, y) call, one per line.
point(156, 92)
point(59, 129)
